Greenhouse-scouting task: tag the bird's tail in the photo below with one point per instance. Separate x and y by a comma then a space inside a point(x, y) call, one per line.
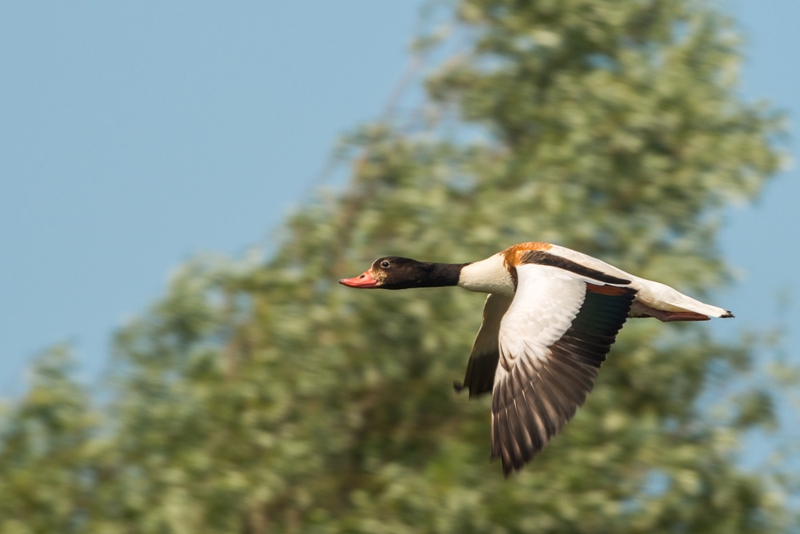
point(654, 297)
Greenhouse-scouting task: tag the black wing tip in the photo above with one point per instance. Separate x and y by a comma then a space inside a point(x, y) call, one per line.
point(512, 467)
point(508, 467)
point(474, 392)
point(727, 315)
point(512, 462)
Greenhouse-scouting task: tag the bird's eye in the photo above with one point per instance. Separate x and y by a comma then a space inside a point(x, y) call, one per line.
point(385, 264)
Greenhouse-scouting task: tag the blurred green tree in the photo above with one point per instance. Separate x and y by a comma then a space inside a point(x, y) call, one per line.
point(262, 397)
point(47, 452)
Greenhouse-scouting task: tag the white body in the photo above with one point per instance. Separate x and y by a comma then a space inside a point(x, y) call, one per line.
point(492, 276)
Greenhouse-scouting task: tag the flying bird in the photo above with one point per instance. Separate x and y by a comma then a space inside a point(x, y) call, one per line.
point(551, 317)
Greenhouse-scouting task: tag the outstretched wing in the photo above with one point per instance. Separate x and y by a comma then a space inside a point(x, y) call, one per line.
point(552, 341)
point(485, 352)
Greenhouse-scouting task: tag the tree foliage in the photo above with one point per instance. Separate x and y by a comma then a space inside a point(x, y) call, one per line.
point(263, 397)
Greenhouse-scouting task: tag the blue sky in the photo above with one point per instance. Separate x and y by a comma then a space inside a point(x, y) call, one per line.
point(134, 136)
point(762, 240)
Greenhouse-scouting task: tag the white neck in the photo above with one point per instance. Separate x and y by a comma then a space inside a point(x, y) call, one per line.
point(487, 276)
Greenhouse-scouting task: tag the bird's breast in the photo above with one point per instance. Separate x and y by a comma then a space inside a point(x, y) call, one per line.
point(488, 276)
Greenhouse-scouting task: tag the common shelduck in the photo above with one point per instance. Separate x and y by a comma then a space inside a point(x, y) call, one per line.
point(551, 317)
